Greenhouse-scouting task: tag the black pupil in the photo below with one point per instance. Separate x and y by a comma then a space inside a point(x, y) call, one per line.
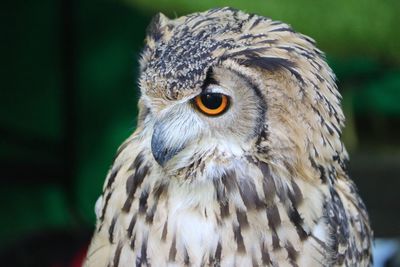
point(211, 101)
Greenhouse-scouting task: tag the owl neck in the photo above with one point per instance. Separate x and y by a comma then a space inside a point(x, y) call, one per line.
point(233, 189)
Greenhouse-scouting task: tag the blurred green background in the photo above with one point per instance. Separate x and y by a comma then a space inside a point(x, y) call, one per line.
point(69, 92)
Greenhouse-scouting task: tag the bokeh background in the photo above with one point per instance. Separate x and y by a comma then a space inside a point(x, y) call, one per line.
point(68, 98)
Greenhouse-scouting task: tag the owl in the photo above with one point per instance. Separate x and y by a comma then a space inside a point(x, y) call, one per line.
point(236, 159)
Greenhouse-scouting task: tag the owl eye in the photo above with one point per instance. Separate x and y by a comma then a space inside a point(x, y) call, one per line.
point(212, 104)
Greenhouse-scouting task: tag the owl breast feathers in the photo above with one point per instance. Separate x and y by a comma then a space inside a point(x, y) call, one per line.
point(236, 159)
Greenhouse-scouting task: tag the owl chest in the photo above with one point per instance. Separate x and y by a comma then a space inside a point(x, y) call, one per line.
point(184, 231)
point(190, 230)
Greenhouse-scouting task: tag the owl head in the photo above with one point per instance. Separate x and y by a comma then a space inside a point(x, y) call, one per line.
point(224, 85)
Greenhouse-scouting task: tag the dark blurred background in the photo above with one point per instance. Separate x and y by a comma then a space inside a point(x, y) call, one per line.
point(68, 99)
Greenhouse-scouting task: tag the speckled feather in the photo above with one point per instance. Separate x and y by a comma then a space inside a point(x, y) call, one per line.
point(264, 184)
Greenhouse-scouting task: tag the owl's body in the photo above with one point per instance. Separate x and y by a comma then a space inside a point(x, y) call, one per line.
point(262, 183)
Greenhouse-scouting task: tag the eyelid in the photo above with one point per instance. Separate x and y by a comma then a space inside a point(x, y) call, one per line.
point(215, 89)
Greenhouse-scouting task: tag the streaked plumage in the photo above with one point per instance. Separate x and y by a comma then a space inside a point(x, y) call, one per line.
point(263, 184)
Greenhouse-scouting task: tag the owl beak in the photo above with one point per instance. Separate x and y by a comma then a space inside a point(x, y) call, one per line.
point(163, 151)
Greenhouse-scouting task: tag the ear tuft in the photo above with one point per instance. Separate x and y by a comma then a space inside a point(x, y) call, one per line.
point(156, 30)
point(156, 27)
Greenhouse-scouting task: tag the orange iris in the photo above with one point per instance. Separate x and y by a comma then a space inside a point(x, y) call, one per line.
point(212, 104)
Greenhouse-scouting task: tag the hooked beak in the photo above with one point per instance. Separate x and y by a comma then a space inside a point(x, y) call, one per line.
point(163, 150)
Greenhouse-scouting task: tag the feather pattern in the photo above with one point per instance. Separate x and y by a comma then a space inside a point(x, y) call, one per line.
point(264, 184)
